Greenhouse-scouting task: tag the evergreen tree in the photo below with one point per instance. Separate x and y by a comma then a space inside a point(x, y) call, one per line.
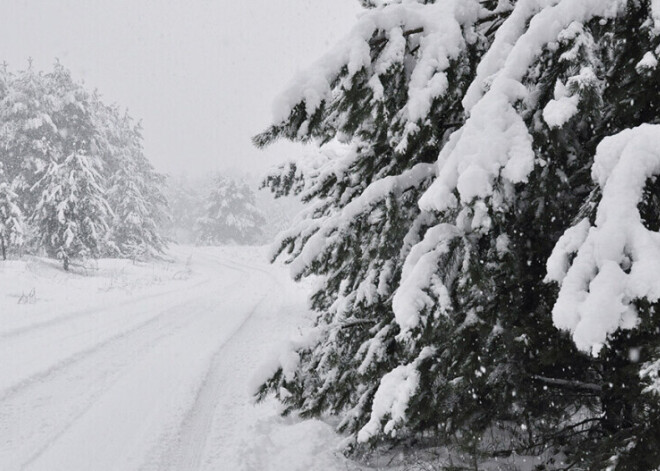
point(230, 215)
point(71, 213)
point(71, 217)
point(27, 135)
point(135, 193)
point(457, 141)
point(11, 219)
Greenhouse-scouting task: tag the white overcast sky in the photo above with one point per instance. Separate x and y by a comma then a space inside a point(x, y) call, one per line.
point(200, 74)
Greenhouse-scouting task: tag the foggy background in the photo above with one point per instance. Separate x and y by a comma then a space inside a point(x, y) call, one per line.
point(200, 74)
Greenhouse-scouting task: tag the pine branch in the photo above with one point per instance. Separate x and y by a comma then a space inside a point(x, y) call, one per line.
point(547, 438)
point(267, 137)
point(493, 16)
point(356, 322)
point(378, 41)
point(564, 383)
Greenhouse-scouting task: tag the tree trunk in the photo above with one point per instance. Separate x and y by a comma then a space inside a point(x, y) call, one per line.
point(4, 249)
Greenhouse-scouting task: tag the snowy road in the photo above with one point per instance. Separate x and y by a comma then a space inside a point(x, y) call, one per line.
point(157, 380)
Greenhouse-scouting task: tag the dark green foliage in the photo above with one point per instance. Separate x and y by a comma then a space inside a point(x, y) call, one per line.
point(485, 354)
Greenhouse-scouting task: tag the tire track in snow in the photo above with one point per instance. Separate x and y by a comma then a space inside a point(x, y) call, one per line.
point(42, 375)
point(110, 366)
point(87, 313)
point(190, 318)
point(187, 452)
point(95, 311)
point(187, 449)
point(78, 338)
point(157, 406)
point(85, 374)
point(75, 387)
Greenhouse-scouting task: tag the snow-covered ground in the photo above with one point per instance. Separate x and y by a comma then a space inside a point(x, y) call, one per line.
point(125, 366)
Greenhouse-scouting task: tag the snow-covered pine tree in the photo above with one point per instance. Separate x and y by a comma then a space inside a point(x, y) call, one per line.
point(134, 189)
point(434, 317)
point(71, 215)
point(12, 227)
point(230, 215)
point(27, 134)
point(71, 218)
point(392, 93)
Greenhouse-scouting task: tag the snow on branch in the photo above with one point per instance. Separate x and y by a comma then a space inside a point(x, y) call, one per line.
point(440, 26)
point(392, 398)
point(655, 12)
point(371, 196)
point(616, 260)
point(419, 276)
point(651, 372)
point(495, 142)
point(505, 38)
point(566, 98)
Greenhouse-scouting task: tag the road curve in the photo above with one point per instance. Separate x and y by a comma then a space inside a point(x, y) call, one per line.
point(153, 383)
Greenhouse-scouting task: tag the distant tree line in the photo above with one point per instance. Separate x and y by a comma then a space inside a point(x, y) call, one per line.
point(74, 180)
point(217, 212)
